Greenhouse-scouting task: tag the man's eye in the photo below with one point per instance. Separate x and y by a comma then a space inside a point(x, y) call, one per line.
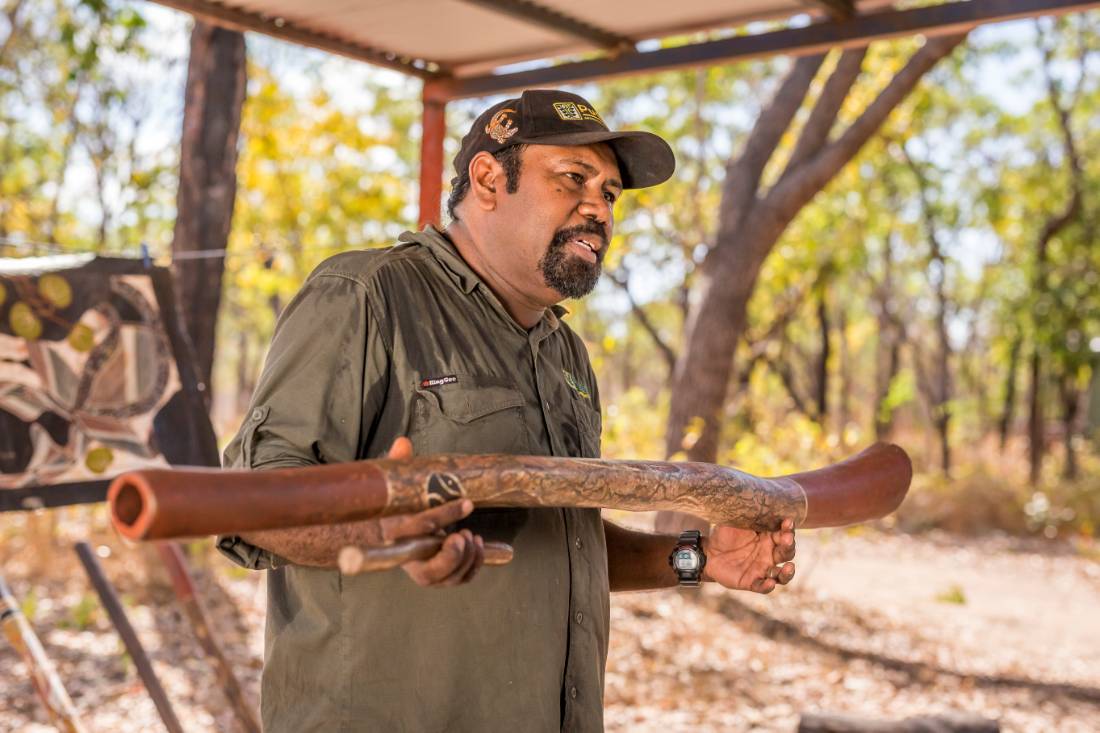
point(609, 196)
point(576, 178)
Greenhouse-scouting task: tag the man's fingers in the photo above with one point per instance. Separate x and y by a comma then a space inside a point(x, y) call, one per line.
point(429, 521)
point(784, 542)
point(401, 449)
point(478, 561)
point(437, 569)
point(762, 585)
point(784, 549)
point(469, 561)
point(786, 573)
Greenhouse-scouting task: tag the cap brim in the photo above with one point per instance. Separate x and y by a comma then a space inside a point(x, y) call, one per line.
point(645, 159)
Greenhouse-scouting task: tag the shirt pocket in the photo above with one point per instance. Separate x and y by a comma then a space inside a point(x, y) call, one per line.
point(589, 427)
point(473, 415)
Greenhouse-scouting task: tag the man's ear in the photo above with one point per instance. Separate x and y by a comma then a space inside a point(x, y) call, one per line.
point(486, 179)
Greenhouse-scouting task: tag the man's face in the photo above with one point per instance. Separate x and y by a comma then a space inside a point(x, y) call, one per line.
point(555, 229)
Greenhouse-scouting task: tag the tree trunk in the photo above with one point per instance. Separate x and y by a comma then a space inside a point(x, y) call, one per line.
point(821, 381)
point(1071, 401)
point(1035, 418)
point(1010, 390)
point(208, 182)
point(845, 371)
point(889, 340)
point(1054, 224)
point(939, 393)
point(751, 221)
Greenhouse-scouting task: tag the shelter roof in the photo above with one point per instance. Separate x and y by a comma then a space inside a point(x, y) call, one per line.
point(466, 45)
point(468, 37)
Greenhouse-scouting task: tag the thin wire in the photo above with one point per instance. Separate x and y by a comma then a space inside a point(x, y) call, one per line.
point(34, 247)
point(30, 246)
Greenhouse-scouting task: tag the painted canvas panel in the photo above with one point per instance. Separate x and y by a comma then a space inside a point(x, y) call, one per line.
point(90, 374)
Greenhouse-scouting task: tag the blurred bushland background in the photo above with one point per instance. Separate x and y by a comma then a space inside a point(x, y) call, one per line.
point(940, 290)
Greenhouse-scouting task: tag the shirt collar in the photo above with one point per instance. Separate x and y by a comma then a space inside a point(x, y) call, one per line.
point(463, 275)
point(444, 251)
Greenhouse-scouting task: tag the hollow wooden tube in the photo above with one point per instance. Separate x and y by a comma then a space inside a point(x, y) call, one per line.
point(353, 560)
point(167, 504)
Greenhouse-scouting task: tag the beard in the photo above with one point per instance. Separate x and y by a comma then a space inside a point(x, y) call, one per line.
point(567, 273)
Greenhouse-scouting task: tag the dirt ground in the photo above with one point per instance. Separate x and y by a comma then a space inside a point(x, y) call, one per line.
point(880, 625)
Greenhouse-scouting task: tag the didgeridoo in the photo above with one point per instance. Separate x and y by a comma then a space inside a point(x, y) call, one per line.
point(191, 502)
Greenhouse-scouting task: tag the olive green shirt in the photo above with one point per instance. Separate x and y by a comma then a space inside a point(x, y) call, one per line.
point(409, 341)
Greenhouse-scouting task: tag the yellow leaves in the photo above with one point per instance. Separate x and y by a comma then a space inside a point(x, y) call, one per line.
point(634, 425)
point(692, 432)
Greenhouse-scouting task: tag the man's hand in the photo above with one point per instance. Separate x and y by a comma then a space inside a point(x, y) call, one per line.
point(745, 560)
point(462, 553)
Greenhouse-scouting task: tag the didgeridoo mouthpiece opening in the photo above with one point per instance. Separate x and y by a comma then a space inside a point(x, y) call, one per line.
point(131, 502)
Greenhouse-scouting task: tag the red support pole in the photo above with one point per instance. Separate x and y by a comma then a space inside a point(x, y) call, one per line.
point(434, 126)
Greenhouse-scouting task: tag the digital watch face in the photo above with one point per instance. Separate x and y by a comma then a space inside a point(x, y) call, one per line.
point(686, 560)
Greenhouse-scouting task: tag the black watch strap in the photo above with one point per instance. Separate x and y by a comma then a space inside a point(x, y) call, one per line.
point(691, 538)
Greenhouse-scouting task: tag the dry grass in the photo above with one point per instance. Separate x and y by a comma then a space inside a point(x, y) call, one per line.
point(990, 491)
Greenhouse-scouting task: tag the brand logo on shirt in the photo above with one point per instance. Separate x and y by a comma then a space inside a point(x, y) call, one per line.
point(437, 381)
point(576, 385)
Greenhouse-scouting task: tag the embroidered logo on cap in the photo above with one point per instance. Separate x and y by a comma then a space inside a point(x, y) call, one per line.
point(576, 385)
point(500, 128)
point(574, 112)
point(438, 381)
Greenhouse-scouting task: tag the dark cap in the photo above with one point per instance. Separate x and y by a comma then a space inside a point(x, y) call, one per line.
point(551, 117)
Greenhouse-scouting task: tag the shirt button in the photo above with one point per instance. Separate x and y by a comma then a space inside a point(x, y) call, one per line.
point(578, 543)
point(546, 405)
point(573, 692)
point(257, 414)
point(580, 617)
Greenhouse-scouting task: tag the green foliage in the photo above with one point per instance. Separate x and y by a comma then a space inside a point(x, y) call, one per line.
point(316, 176)
point(953, 594)
point(29, 605)
point(74, 108)
point(328, 161)
point(84, 614)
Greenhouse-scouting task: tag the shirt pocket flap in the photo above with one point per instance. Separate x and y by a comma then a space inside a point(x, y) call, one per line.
point(465, 404)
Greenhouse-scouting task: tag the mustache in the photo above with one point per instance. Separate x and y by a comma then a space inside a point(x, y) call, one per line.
point(589, 227)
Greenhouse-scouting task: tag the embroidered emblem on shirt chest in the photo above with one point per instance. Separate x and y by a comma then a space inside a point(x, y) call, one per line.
point(577, 386)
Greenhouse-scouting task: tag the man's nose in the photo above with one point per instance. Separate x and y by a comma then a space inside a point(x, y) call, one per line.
point(593, 207)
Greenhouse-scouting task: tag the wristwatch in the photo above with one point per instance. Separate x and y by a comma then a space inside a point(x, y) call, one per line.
point(688, 559)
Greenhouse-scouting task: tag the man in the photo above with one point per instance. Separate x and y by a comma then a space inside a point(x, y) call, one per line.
point(454, 338)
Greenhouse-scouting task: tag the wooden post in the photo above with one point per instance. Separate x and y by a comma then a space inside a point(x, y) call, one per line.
point(113, 605)
point(42, 673)
point(434, 129)
point(176, 565)
point(213, 100)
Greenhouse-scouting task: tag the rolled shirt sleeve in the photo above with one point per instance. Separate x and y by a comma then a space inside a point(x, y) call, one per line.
point(321, 387)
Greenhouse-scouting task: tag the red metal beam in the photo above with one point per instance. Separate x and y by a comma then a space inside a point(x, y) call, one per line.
point(941, 19)
point(434, 129)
